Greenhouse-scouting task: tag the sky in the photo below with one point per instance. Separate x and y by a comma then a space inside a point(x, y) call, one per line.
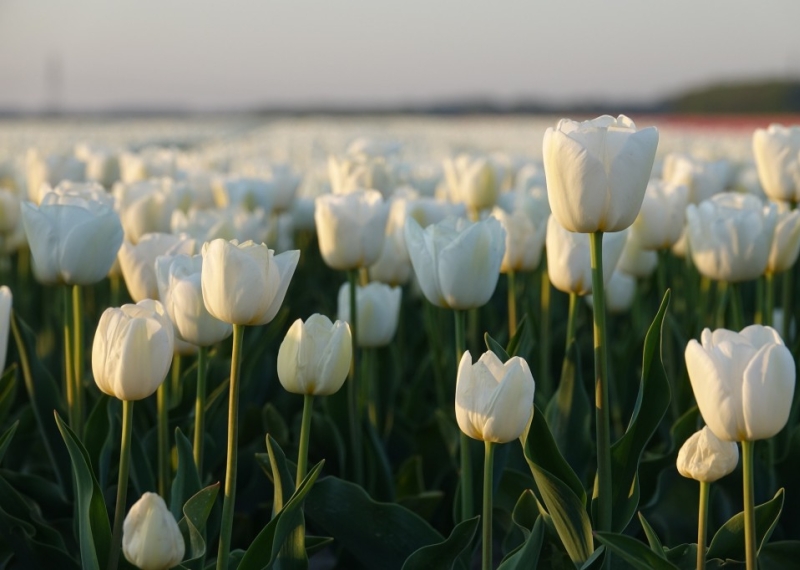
point(243, 54)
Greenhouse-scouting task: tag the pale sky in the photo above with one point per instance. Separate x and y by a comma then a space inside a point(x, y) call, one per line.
point(239, 54)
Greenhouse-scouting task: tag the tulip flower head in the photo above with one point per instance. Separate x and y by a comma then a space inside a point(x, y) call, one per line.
point(703, 457)
point(777, 154)
point(151, 539)
point(494, 401)
point(472, 181)
point(138, 262)
point(245, 284)
point(597, 172)
point(132, 350)
point(786, 242)
point(743, 382)
point(314, 357)
point(663, 215)
point(378, 310)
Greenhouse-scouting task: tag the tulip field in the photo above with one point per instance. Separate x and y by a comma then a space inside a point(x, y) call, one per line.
point(517, 342)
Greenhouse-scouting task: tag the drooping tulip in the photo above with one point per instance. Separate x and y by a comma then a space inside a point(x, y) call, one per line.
point(703, 457)
point(597, 172)
point(151, 539)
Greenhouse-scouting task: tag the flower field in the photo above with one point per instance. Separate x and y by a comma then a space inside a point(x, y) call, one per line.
point(515, 342)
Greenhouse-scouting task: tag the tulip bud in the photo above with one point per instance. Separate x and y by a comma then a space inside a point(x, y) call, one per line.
point(5, 322)
point(703, 179)
point(597, 172)
point(151, 539)
point(393, 266)
point(138, 262)
point(662, 216)
point(314, 357)
point(524, 240)
point(785, 243)
point(703, 457)
point(472, 181)
point(494, 401)
point(245, 284)
point(777, 154)
point(360, 170)
point(378, 310)
point(635, 260)
point(132, 350)
point(743, 382)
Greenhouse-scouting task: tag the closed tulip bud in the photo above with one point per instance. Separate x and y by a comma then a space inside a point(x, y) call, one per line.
point(620, 292)
point(74, 238)
point(494, 401)
point(703, 179)
point(5, 322)
point(314, 357)
point(472, 181)
point(597, 172)
point(730, 236)
point(569, 262)
point(703, 457)
point(743, 382)
point(179, 288)
point(457, 262)
point(351, 228)
point(785, 243)
point(777, 154)
point(524, 240)
point(393, 265)
point(132, 350)
point(635, 260)
point(245, 284)
point(138, 262)
point(662, 216)
point(151, 539)
point(378, 310)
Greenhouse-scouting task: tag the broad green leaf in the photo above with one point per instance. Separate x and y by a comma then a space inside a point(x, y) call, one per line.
point(651, 404)
point(274, 423)
point(94, 532)
point(20, 508)
point(526, 556)
point(635, 553)
point(559, 489)
point(652, 537)
point(282, 477)
point(292, 553)
point(6, 438)
point(192, 525)
point(96, 433)
point(379, 535)
point(728, 543)
point(781, 554)
point(445, 554)
point(186, 482)
point(316, 543)
point(683, 556)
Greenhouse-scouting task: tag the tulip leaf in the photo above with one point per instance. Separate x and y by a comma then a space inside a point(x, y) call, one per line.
point(94, 532)
point(8, 391)
point(97, 436)
point(684, 556)
point(192, 525)
point(316, 543)
point(526, 555)
point(728, 543)
point(515, 343)
point(444, 554)
point(557, 486)
point(652, 537)
point(265, 548)
point(634, 552)
point(379, 535)
point(5, 439)
point(651, 404)
point(43, 394)
point(293, 552)
point(186, 482)
point(781, 554)
point(495, 347)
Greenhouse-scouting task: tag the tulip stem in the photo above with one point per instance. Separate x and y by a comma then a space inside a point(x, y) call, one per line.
point(702, 524)
point(305, 434)
point(466, 461)
point(176, 389)
point(114, 296)
point(737, 310)
point(200, 410)
point(163, 439)
point(602, 420)
point(544, 332)
point(230, 469)
point(122, 483)
point(352, 386)
point(77, 324)
point(512, 305)
point(722, 303)
point(69, 370)
point(769, 300)
point(749, 505)
point(667, 352)
point(488, 461)
point(572, 319)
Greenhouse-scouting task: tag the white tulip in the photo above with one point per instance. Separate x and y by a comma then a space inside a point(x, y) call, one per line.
point(151, 539)
point(378, 310)
point(138, 262)
point(662, 216)
point(777, 154)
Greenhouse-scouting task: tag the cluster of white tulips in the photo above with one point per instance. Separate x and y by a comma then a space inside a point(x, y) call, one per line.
point(205, 243)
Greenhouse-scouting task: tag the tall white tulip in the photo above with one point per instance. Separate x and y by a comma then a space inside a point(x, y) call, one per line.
point(151, 539)
point(597, 172)
point(377, 310)
point(524, 239)
point(777, 153)
point(620, 292)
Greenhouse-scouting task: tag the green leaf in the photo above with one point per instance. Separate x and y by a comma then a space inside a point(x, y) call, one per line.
point(728, 543)
point(292, 553)
point(187, 481)
point(94, 532)
point(8, 391)
point(515, 342)
point(781, 554)
point(97, 434)
point(559, 489)
point(651, 404)
point(192, 525)
point(444, 554)
point(316, 543)
point(634, 552)
point(526, 556)
point(264, 550)
point(652, 537)
point(6, 438)
point(379, 535)
point(495, 347)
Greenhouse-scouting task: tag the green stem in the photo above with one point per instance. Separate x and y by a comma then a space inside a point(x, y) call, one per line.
point(77, 361)
point(737, 310)
point(122, 484)
point(702, 525)
point(572, 319)
point(722, 303)
point(758, 317)
point(352, 386)
point(114, 290)
point(544, 337)
point(230, 469)
point(200, 410)
point(749, 505)
point(512, 305)
point(488, 461)
point(305, 434)
point(176, 389)
point(69, 370)
point(162, 409)
point(769, 299)
point(466, 461)
point(370, 380)
point(431, 322)
point(668, 356)
point(602, 419)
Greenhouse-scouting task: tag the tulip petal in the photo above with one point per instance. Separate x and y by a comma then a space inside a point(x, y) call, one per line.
point(767, 391)
point(423, 259)
point(285, 263)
